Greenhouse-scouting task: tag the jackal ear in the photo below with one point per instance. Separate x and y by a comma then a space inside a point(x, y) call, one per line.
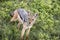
point(36, 15)
point(28, 11)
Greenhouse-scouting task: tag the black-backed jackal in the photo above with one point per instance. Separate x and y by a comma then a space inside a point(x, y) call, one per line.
point(24, 17)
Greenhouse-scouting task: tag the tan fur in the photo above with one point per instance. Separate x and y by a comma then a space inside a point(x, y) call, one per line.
point(31, 21)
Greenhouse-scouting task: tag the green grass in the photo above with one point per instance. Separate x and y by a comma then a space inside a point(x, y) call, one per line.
point(47, 26)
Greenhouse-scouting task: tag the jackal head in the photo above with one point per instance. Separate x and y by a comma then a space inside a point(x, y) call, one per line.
point(33, 18)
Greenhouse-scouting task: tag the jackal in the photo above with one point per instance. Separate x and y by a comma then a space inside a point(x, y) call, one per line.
point(24, 17)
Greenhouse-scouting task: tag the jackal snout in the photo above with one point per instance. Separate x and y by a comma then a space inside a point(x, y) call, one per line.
point(35, 16)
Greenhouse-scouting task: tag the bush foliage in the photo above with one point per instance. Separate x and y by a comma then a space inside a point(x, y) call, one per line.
point(46, 27)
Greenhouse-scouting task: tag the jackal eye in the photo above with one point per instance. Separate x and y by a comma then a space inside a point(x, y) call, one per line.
point(32, 19)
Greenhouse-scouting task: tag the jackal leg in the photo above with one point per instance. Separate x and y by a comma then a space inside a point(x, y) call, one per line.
point(23, 30)
point(14, 18)
point(19, 25)
point(27, 33)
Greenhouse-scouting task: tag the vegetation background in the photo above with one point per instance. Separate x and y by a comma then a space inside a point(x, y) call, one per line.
point(47, 26)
